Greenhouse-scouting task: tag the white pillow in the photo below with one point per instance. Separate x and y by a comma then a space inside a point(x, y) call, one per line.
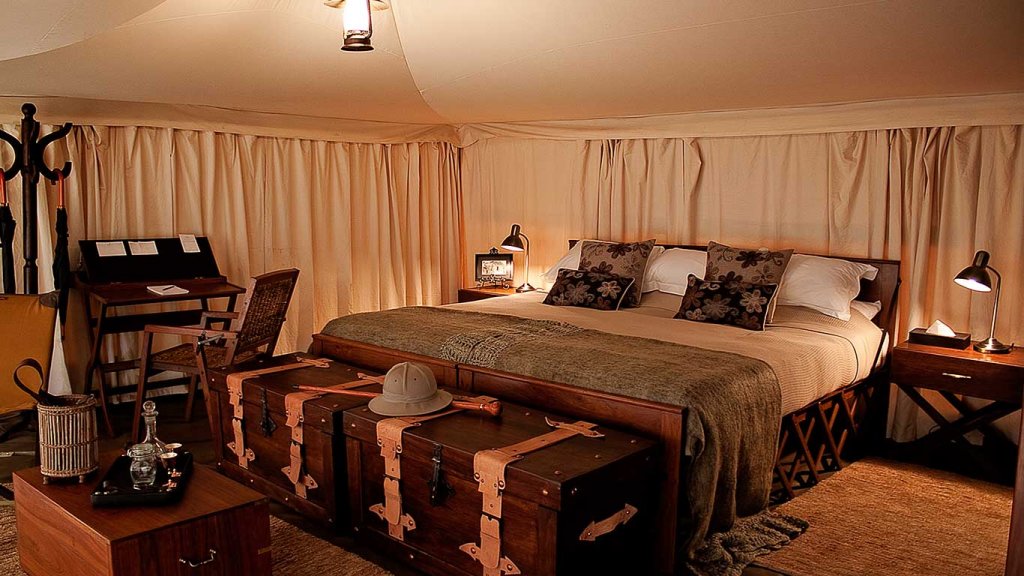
point(868, 309)
point(571, 260)
point(668, 272)
point(827, 285)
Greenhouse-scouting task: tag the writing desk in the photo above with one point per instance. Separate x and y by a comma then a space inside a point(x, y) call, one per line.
point(102, 301)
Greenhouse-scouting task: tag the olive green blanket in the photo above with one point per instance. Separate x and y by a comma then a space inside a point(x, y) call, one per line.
point(733, 402)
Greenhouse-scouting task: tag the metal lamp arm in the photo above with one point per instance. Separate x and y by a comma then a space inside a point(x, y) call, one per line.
point(995, 308)
point(525, 237)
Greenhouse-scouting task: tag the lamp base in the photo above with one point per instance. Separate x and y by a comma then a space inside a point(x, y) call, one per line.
point(992, 346)
point(525, 288)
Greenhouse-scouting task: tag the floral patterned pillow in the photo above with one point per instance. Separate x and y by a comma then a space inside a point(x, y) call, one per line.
point(756, 266)
point(588, 289)
point(747, 265)
point(626, 259)
point(740, 304)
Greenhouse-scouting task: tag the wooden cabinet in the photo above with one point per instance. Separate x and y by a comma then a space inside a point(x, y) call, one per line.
point(474, 294)
point(217, 528)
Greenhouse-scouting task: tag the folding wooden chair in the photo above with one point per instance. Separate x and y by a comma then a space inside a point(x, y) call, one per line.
point(254, 332)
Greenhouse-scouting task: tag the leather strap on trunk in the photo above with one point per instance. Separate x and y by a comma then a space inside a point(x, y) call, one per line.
point(294, 404)
point(389, 438)
point(234, 386)
point(489, 471)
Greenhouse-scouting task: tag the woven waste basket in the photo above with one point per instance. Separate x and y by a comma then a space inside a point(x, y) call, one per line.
point(68, 437)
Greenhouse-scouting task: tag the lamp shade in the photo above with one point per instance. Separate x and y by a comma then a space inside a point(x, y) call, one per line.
point(976, 277)
point(514, 241)
point(358, 26)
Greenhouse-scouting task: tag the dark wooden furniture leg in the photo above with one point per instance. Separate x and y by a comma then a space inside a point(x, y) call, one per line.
point(1015, 549)
point(93, 369)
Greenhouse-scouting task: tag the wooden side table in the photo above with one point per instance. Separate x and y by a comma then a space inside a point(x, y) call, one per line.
point(218, 527)
point(996, 377)
point(474, 294)
point(954, 373)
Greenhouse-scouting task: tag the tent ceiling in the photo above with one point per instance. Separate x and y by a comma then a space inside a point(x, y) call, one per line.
point(459, 61)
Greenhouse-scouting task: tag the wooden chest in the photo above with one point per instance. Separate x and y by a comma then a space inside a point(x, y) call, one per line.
point(581, 505)
point(219, 527)
point(265, 431)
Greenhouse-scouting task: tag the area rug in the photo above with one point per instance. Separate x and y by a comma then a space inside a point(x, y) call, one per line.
point(295, 553)
point(877, 517)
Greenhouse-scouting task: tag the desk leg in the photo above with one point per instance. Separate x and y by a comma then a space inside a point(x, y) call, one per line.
point(94, 369)
point(1015, 550)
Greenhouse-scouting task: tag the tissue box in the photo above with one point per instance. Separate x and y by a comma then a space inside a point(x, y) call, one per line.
point(921, 336)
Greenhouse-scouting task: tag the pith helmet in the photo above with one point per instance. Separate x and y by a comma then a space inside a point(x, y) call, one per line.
point(409, 390)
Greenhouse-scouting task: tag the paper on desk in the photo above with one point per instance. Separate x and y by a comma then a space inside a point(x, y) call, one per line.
point(939, 328)
point(167, 290)
point(144, 248)
point(189, 244)
point(105, 249)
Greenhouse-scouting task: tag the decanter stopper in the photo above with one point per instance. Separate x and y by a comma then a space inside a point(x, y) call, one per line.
point(149, 415)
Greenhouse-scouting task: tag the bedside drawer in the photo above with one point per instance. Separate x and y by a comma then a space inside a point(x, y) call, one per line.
point(978, 378)
point(233, 542)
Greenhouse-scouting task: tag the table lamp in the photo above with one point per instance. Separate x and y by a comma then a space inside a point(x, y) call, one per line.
point(518, 242)
point(975, 277)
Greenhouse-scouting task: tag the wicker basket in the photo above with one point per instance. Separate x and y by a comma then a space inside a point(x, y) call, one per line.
point(68, 437)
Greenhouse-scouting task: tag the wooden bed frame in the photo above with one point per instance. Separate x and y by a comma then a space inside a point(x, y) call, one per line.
point(845, 416)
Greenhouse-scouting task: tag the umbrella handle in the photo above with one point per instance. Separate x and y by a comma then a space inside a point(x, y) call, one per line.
point(3, 189)
point(34, 364)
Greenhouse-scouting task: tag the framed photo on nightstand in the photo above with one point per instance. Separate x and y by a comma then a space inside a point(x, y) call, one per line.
point(493, 268)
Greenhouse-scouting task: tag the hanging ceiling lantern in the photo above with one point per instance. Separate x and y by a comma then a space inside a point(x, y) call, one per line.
point(358, 26)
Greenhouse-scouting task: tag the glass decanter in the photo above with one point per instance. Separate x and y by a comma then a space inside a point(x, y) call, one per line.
point(149, 415)
point(143, 466)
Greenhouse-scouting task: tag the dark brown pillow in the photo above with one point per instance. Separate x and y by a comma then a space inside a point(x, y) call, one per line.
point(736, 303)
point(626, 259)
point(588, 289)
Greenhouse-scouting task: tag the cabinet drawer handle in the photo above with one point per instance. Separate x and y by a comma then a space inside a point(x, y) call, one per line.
point(196, 564)
point(957, 376)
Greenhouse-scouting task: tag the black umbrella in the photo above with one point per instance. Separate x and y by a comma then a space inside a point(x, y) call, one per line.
point(61, 259)
point(7, 226)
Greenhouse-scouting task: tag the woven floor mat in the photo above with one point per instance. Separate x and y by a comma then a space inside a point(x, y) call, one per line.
point(885, 518)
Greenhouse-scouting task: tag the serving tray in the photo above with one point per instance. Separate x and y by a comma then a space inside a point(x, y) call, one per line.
point(117, 489)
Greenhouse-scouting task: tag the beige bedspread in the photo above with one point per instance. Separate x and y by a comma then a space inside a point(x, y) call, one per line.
point(810, 353)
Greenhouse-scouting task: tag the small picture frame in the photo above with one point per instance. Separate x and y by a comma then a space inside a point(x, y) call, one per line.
point(493, 269)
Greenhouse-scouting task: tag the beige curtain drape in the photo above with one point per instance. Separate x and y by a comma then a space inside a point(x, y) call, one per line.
point(929, 197)
point(370, 226)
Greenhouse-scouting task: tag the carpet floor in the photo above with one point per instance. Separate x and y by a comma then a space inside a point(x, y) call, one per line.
point(878, 517)
point(294, 552)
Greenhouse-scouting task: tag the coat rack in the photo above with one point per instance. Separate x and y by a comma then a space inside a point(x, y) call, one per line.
point(28, 160)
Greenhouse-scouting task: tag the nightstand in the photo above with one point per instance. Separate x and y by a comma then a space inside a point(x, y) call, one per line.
point(474, 294)
point(996, 377)
point(951, 372)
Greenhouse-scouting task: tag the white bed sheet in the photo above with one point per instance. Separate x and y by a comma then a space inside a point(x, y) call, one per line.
point(812, 354)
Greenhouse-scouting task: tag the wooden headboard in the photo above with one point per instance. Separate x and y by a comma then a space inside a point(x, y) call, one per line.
point(884, 288)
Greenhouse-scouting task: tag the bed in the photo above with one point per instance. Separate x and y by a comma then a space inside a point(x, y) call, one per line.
point(522, 350)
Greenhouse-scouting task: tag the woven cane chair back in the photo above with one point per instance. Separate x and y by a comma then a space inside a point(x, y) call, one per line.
point(264, 310)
